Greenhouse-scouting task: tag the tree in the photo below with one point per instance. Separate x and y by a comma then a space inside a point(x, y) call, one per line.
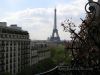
point(86, 43)
point(60, 55)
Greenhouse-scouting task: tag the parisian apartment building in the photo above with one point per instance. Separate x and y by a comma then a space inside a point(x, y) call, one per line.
point(39, 51)
point(17, 51)
point(14, 48)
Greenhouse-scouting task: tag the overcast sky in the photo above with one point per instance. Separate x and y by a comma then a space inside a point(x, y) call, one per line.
point(37, 16)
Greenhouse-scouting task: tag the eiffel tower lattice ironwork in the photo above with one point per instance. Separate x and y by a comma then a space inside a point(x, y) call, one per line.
point(55, 31)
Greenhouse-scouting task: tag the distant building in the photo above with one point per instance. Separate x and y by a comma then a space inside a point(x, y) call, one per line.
point(14, 48)
point(33, 53)
point(39, 51)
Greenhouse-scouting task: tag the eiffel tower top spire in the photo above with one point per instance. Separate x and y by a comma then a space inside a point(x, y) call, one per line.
point(55, 19)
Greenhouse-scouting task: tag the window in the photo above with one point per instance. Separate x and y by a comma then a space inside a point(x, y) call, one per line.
point(10, 61)
point(6, 67)
point(6, 55)
point(10, 54)
point(7, 43)
point(6, 61)
point(6, 49)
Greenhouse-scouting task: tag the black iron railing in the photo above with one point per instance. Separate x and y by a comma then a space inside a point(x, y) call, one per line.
point(68, 70)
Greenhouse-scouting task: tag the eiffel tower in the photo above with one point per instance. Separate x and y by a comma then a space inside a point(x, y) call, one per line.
point(55, 31)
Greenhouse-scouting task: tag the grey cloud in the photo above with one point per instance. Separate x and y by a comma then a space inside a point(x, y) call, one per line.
point(39, 21)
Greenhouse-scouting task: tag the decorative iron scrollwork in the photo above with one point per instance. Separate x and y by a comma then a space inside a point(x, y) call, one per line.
point(92, 7)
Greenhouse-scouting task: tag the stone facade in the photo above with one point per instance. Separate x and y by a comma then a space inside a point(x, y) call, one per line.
point(17, 51)
point(39, 51)
point(14, 48)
